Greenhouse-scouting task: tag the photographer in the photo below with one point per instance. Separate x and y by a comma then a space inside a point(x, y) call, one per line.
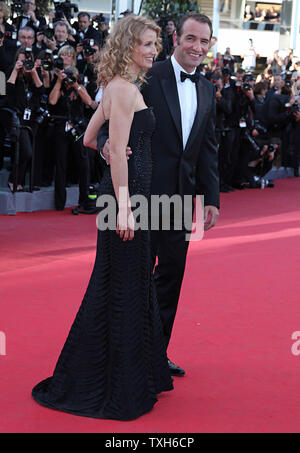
point(28, 17)
point(243, 109)
point(283, 120)
point(61, 37)
point(8, 38)
point(24, 91)
point(85, 30)
point(223, 112)
point(67, 99)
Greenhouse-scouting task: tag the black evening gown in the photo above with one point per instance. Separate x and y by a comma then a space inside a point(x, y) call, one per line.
point(114, 363)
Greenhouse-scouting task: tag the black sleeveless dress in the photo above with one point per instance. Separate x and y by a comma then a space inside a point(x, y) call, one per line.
point(114, 363)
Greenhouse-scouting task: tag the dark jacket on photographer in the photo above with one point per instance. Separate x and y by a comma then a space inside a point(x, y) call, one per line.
point(277, 114)
point(17, 22)
point(89, 33)
point(65, 131)
point(242, 107)
point(223, 110)
point(24, 95)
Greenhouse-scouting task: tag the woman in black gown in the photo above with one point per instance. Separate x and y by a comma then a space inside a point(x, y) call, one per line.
point(114, 363)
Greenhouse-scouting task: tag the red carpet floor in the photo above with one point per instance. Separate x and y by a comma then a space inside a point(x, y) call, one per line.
point(233, 332)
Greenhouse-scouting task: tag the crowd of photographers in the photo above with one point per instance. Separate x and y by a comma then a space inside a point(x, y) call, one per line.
point(51, 93)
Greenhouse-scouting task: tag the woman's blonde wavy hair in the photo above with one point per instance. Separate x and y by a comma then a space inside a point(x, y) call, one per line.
point(115, 58)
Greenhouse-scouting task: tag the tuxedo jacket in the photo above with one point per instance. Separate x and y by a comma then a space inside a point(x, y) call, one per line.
point(18, 20)
point(194, 170)
point(189, 171)
point(91, 33)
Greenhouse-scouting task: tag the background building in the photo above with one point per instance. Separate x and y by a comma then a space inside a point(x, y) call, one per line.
point(228, 20)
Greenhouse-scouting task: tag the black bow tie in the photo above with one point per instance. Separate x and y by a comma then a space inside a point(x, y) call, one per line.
point(193, 77)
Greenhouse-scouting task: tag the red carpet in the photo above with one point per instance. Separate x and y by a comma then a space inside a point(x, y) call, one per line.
point(238, 310)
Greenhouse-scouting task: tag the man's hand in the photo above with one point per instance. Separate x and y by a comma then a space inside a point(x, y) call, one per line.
point(297, 116)
point(51, 43)
point(106, 152)
point(32, 16)
point(211, 214)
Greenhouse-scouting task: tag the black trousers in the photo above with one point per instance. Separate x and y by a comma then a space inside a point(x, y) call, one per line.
point(25, 152)
point(168, 252)
point(64, 143)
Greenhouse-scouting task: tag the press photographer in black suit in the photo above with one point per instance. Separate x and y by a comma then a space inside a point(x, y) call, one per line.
point(66, 105)
point(224, 101)
point(61, 37)
point(24, 91)
point(29, 17)
point(85, 29)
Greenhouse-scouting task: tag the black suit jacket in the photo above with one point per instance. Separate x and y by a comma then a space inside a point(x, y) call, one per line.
point(193, 170)
point(91, 33)
point(18, 20)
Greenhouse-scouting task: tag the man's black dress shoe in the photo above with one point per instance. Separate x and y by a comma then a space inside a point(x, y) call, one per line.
point(175, 370)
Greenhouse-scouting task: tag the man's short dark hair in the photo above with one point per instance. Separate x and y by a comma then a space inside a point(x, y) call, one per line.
point(61, 24)
point(82, 14)
point(195, 16)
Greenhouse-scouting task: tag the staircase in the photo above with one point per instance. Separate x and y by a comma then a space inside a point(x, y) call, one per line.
point(206, 7)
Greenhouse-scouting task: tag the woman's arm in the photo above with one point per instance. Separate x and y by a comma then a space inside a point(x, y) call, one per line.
point(95, 124)
point(56, 91)
point(83, 94)
point(123, 102)
point(13, 76)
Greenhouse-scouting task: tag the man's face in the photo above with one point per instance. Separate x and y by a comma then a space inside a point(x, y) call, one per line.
point(239, 77)
point(277, 81)
point(192, 46)
point(84, 22)
point(26, 38)
point(170, 27)
point(29, 6)
point(61, 33)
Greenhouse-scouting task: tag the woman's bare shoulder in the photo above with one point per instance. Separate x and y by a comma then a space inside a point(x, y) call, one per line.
point(120, 91)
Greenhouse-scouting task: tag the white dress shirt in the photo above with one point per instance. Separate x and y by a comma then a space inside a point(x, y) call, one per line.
point(187, 99)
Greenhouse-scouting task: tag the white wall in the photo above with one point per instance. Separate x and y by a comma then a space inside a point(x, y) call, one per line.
point(265, 43)
point(101, 6)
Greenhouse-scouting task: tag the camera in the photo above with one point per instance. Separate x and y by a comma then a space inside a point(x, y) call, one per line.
point(58, 62)
point(8, 34)
point(42, 112)
point(247, 86)
point(87, 47)
point(260, 128)
point(78, 129)
point(17, 6)
point(28, 62)
point(292, 108)
point(46, 31)
point(252, 142)
point(64, 9)
point(71, 78)
point(46, 62)
point(99, 18)
point(271, 148)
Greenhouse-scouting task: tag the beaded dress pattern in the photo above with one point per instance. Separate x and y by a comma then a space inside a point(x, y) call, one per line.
point(113, 363)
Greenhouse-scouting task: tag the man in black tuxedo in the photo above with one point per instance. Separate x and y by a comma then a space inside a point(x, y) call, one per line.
point(29, 18)
point(185, 153)
point(85, 29)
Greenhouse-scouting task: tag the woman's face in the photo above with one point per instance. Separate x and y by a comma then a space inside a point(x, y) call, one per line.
point(68, 60)
point(144, 53)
